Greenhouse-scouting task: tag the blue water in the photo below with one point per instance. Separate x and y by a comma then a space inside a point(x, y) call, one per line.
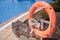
point(11, 8)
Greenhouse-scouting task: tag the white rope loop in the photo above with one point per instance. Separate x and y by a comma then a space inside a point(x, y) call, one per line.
point(34, 22)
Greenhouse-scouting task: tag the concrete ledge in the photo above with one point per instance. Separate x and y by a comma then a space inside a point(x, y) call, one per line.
point(21, 18)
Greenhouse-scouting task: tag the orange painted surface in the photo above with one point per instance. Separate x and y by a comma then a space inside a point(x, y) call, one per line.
point(50, 30)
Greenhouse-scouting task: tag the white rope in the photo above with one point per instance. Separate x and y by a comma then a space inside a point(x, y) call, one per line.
point(45, 21)
point(34, 22)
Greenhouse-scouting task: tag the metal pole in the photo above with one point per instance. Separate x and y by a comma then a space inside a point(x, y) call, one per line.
point(41, 27)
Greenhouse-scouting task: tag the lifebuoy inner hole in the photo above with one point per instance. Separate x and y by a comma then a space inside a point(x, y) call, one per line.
point(42, 14)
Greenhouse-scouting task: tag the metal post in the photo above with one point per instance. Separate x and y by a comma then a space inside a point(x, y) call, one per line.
point(41, 27)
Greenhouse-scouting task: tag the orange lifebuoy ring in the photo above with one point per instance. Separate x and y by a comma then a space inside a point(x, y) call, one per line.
point(49, 31)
